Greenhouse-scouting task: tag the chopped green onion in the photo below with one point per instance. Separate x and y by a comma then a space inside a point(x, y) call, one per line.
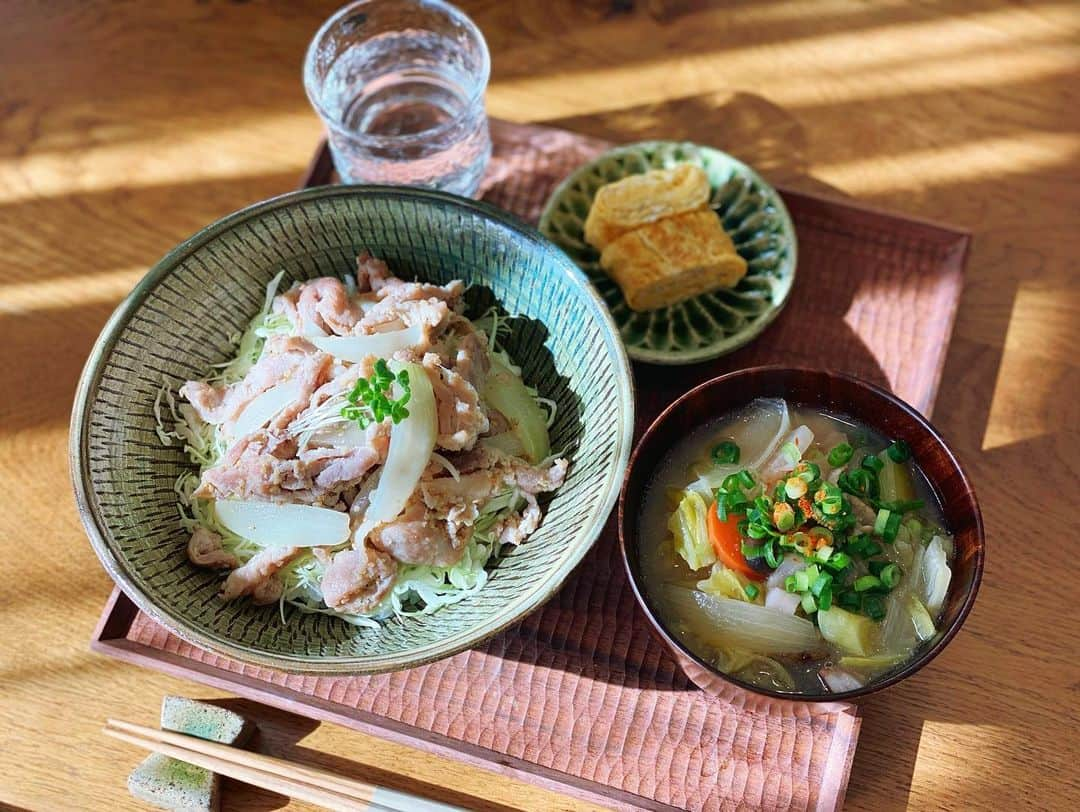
point(802, 581)
point(840, 455)
point(872, 463)
point(822, 533)
point(904, 507)
point(860, 482)
point(822, 581)
point(832, 506)
point(791, 584)
point(783, 516)
point(756, 531)
point(892, 527)
point(752, 551)
point(751, 591)
point(772, 557)
point(808, 471)
point(824, 554)
point(871, 549)
point(824, 600)
point(721, 506)
point(726, 453)
point(808, 604)
point(827, 491)
point(850, 600)
point(865, 583)
point(746, 479)
point(881, 521)
point(730, 483)
point(899, 451)
point(874, 607)
point(795, 487)
point(838, 561)
point(890, 576)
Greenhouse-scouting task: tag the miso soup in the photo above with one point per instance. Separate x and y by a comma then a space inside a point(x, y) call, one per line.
point(798, 550)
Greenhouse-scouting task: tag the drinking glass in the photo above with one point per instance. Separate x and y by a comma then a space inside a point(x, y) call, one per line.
point(400, 87)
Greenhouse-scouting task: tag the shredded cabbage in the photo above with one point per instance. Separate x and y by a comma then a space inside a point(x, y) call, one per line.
point(725, 583)
point(687, 525)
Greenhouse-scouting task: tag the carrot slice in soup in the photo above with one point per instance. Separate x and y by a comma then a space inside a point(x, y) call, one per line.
point(727, 543)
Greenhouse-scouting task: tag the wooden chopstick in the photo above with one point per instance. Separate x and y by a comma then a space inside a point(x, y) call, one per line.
point(274, 774)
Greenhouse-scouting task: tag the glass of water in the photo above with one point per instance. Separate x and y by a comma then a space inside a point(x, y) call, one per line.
point(400, 87)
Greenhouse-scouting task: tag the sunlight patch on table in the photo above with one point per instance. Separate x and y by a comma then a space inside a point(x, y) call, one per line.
point(955, 163)
point(270, 144)
point(1038, 371)
point(68, 291)
point(878, 62)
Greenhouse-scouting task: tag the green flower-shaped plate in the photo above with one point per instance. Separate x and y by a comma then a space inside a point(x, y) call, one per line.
point(706, 326)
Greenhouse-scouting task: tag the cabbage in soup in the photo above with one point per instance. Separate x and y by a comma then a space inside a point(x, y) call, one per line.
point(795, 549)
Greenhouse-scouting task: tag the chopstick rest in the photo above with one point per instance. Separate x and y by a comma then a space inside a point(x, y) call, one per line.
point(173, 784)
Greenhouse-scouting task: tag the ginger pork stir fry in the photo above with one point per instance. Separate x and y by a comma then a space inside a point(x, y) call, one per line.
point(368, 451)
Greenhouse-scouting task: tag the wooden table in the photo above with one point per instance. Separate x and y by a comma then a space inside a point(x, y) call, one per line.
point(127, 127)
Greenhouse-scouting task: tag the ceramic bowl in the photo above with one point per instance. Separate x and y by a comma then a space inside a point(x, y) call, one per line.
point(839, 393)
point(184, 316)
point(712, 324)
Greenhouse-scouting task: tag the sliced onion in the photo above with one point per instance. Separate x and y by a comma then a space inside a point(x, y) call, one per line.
point(935, 576)
point(783, 426)
point(747, 625)
point(749, 437)
point(789, 566)
point(840, 681)
point(920, 619)
point(283, 525)
point(411, 443)
point(782, 601)
point(263, 408)
point(382, 345)
point(781, 462)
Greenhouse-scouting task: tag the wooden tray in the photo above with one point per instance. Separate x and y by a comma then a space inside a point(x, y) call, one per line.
point(579, 697)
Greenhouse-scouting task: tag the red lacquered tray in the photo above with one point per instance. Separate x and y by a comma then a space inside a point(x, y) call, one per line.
point(579, 697)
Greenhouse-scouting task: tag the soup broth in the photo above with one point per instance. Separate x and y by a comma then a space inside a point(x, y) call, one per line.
point(824, 563)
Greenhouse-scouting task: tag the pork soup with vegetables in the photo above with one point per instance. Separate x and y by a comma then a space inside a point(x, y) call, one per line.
point(797, 550)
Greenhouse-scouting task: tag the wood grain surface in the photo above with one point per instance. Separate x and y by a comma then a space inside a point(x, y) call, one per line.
point(126, 127)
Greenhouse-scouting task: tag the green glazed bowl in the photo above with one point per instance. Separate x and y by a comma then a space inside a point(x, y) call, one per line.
point(712, 324)
point(183, 317)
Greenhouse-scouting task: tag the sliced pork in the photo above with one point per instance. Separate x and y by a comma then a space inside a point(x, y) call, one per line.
point(357, 580)
point(320, 307)
point(418, 537)
point(283, 359)
point(462, 418)
point(303, 441)
point(257, 576)
point(204, 550)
